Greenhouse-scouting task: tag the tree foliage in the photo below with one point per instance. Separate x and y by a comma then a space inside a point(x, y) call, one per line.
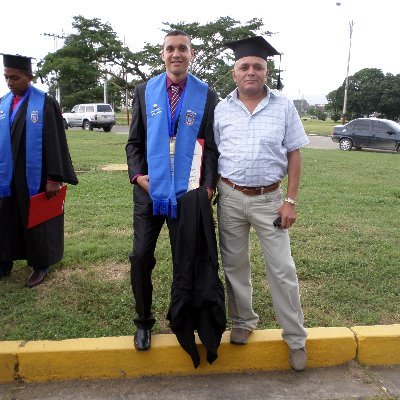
point(80, 65)
point(370, 91)
point(95, 52)
point(335, 103)
point(364, 87)
point(317, 112)
point(389, 103)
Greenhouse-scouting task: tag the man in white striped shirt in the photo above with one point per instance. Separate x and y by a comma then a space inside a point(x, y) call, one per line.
point(259, 134)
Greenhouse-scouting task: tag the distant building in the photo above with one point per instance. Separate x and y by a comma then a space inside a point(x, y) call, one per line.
point(302, 106)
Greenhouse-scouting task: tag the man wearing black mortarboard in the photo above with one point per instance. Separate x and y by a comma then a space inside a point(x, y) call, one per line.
point(34, 158)
point(258, 133)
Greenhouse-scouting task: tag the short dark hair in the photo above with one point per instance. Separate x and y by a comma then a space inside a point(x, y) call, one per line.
point(178, 32)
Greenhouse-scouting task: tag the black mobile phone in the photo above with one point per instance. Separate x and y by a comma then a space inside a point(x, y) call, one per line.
point(277, 223)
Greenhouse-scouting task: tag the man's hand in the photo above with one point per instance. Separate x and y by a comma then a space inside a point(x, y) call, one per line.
point(288, 214)
point(209, 193)
point(143, 182)
point(52, 189)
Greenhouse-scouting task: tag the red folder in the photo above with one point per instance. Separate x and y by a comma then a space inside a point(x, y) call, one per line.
point(42, 209)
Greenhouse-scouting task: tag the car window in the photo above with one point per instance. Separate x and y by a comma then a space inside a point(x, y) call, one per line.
point(104, 108)
point(89, 108)
point(380, 127)
point(362, 127)
point(75, 109)
point(393, 126)
point(81, 109)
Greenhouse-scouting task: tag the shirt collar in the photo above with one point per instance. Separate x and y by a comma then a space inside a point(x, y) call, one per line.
point(181, 84)
point(234, 95)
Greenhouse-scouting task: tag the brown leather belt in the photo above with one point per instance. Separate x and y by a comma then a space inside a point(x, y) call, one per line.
point(252, 191)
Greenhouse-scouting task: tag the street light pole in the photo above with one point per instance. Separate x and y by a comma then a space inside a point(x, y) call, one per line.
point(55, 37)
point(105, 84)
point(346, 85)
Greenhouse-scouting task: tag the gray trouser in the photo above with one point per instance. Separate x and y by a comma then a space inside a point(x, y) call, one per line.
point(237, 212)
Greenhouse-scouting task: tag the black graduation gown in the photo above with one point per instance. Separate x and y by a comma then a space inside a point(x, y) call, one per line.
point(197, 295)
point(43, 244)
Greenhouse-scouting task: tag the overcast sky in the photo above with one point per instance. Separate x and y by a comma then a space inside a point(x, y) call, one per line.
point(313, 35)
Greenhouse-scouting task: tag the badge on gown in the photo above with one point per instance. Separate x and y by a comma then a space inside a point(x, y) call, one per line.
point(172, 146)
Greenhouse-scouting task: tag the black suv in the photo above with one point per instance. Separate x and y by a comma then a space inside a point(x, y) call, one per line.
point(368, 132)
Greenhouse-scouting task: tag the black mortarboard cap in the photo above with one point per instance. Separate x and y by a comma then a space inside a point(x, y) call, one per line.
point(255, 46)
point(17, 62)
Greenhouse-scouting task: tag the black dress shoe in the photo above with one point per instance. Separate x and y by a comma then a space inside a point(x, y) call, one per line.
point(36, 278)
point(142, 339)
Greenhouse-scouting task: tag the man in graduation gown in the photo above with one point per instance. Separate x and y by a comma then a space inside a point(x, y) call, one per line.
point(34, 158)
point(170, 112)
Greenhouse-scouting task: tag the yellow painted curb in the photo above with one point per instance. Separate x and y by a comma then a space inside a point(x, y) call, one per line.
point(116, 357)
point(327, 347)
point(113, 357)
point(8, 361)
point(378, 345)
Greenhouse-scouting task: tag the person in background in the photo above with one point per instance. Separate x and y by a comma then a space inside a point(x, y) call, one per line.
point(34, 158)
point(258, 133)
point(170, 112)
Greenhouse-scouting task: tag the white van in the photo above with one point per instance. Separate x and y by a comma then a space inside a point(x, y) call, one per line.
point(89, 116)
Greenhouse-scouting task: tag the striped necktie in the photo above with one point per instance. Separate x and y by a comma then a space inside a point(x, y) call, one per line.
point(174, 98)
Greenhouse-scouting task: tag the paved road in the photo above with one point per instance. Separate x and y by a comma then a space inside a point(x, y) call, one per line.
point(322, 142)
point(350, 381)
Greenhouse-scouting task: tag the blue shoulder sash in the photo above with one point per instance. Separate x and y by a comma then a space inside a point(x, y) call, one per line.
point(165, 187)
point(34, 139)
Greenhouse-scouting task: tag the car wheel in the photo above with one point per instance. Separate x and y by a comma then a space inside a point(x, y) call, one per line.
point(65, 125)
point(345, 144)
point(107, 128)
point(87, 126)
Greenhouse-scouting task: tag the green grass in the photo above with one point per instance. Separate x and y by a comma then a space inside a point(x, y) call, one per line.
point(345, 244)
point(317, 127)
point(122, 118)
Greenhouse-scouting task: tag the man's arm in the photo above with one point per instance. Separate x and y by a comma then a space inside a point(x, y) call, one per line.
point(210, 158)
point(288, 211)
point(57, 166)
point(136, 145)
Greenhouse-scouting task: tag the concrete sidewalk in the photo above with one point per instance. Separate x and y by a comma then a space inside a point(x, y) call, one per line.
point(40, 361)
point(349, 381)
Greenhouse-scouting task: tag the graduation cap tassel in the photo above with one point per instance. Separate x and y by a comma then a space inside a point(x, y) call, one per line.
point(279, 82)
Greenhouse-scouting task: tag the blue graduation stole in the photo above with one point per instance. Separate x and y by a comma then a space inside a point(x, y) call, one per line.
point(34, 139)
point(166, 189)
